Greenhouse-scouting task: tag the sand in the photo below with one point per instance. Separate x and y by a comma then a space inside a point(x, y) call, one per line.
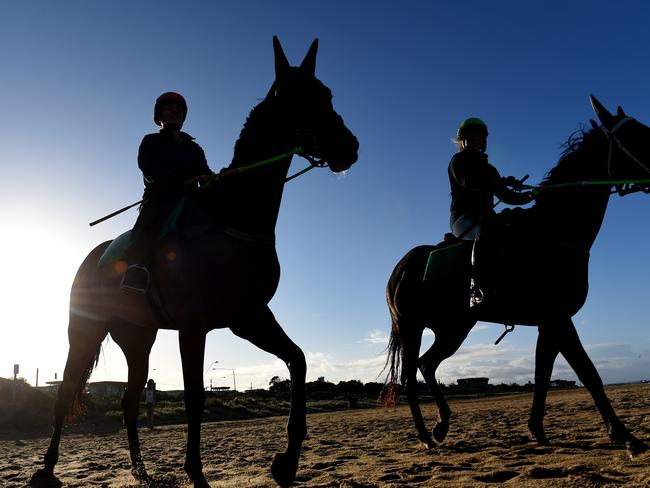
point(488, 445)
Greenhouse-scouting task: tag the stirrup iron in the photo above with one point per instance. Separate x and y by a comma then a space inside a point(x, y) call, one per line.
point(140, 272)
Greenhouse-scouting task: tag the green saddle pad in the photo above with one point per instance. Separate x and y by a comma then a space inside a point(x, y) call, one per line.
point(116, 250)
point(447, 260)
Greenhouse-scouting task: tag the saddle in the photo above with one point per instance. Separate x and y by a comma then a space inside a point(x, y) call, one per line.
point(524, 275)
point(174, 228)
point(447, 258)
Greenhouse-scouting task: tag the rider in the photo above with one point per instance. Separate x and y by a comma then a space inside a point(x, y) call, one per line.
point(171, 163)
point(475, 182)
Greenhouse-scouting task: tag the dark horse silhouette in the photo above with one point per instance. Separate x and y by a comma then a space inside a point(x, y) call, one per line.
point(222, 274)
point(553, 239)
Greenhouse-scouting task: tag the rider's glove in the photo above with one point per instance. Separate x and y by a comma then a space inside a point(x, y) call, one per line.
point(512, 182)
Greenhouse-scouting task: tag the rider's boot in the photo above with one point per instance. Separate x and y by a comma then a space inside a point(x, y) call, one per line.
point(136, 278)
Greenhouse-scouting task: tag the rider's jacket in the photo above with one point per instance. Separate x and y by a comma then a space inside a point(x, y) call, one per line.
point(474, 183)
point(166, 164)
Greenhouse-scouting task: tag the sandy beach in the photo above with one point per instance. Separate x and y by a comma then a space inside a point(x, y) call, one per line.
point(488, 445)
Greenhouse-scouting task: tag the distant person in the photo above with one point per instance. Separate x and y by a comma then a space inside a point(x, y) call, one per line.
point(150, 401)
point(171, 163)
point(475, 182)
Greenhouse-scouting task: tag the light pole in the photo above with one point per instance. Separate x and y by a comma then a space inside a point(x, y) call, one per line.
point(234, 378)
point(211, 364)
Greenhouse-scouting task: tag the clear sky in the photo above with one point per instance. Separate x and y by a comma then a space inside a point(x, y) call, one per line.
point(78, 80)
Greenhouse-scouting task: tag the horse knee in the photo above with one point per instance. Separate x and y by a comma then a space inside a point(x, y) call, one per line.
point(297, 363)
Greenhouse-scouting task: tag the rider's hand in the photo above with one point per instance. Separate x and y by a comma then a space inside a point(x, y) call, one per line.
point(512, 182)
point(198, 179)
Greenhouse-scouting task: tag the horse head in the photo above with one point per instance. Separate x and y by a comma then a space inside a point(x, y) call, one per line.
point(306, 106)
point(629, 156)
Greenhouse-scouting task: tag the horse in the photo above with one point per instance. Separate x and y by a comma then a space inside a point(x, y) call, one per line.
point(553, 237)
point(222, 272)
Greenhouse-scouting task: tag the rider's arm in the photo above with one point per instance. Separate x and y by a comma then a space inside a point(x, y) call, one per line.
point(506, 195)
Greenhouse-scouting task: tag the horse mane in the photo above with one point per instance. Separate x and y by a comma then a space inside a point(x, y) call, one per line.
point(256, 123)
point(578, 161)
point(577, 153)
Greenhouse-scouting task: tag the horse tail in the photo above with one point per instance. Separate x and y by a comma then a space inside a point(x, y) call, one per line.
point(390, 391)
point(85, 334)
point(77, 406)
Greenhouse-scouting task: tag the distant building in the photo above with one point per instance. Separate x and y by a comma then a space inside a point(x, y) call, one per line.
point(51, 386)
point(109, 389)
point(562, 384)
point(472, 382)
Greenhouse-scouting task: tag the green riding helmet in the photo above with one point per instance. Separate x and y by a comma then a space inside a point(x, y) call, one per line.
point(471, 124)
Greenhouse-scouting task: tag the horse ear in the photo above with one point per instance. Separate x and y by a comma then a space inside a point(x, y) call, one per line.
point(309, 63)
point(594, 124)
point(606, 118)
point(620, 112)
point(281, 63)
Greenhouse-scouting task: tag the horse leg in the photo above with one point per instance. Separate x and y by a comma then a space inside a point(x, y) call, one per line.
point(192, 346)
point(572, 350)
point(261, 329)
point(445, 345)
point(85, 338)
point(136, 343)
point(545, 354)
point(411, 338)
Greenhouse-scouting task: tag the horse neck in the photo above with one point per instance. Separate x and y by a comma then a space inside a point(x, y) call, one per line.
point(574, 215)
point(253, 197)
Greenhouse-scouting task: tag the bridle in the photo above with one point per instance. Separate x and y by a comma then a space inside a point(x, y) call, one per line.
point(631, 187)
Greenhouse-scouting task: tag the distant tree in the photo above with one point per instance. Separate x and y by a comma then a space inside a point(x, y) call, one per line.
point(278, 385)
point(372, 390)
point(320, 389)
point(351, 390)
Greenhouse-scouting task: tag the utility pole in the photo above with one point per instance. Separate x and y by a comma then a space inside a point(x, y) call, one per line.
point(13, 386)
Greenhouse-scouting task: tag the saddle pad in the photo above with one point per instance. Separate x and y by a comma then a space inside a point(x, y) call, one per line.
point(116, 250)
point(446, 260)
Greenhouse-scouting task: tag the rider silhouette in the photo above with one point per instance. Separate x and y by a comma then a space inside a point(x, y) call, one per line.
point(172, 164)
point(474, 182)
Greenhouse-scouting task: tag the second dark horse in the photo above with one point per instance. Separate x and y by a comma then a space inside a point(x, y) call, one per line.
point(552, 240)
point(223, 275)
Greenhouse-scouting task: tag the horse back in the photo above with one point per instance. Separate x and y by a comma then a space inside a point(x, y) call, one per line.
point(417, 280)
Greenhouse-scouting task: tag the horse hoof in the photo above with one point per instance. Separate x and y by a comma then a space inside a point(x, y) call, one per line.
point(635, 447)
point(439, 432)
point(140, 473)
point(44, 478)
point(196, 475)
point(284, 469)
point(539, 435)
point(200, 481)
point(426, 440)
point(429, 444)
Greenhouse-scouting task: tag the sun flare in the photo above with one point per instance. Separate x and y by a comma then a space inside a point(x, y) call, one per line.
point(37, 265)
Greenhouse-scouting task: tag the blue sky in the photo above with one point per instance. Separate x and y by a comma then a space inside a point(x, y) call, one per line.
point(79, 80)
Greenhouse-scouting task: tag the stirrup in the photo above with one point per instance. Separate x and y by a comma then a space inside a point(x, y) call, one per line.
point(138, 281)
point(475, 294)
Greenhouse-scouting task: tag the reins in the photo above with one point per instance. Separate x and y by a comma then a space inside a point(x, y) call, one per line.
point(313, 163)
point(297, 151)
point(622, 187)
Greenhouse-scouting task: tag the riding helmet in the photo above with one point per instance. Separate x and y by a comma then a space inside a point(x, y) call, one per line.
point(165, 98)
point(472, 123)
